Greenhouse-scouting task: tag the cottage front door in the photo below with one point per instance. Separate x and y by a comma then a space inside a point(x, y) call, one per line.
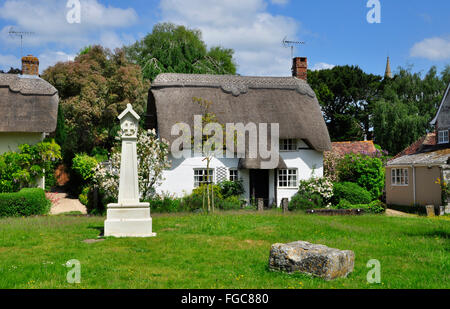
point(259, 186)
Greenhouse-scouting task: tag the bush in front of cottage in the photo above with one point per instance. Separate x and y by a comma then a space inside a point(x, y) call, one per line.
point(27, 202)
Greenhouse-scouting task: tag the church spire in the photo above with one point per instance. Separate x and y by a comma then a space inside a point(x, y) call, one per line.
point(388, 73)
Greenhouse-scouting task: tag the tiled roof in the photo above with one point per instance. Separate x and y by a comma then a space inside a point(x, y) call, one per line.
point(423, 142)
point(438, 157)
point(363, 147)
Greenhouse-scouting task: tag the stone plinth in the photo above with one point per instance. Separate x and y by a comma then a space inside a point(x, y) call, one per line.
point(317, 260)
point(129, 221)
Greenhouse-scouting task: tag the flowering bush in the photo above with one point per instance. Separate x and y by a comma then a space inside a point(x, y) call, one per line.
point(152, 154)
point(322, 186)
point(445, 190)
point(313, 193)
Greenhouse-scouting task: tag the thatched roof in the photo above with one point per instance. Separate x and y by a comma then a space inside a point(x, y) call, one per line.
point(237, 99)
point(27, 104)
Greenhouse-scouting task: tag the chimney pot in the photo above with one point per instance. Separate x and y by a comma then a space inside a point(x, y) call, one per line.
point(300, 68)
point(30, 65)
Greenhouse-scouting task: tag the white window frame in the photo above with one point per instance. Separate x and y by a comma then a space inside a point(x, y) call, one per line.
point(288, 144)
point(230, 176)
point(443, 137)
point(285, 180)
point(201, 172)
point(400, 177)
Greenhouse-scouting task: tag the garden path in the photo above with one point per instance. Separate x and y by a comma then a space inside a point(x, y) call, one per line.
point(62, 203)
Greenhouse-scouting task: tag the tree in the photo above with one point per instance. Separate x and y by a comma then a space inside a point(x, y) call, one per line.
point(177, 49)
point(93, 90)
point(405, 106)
point(211, 145)
point(12, 71)
point(346, 95)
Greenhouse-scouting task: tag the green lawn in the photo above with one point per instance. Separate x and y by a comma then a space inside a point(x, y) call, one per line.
point(229, 250)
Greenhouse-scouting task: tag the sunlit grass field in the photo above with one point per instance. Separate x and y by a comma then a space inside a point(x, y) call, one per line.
point(226, 250)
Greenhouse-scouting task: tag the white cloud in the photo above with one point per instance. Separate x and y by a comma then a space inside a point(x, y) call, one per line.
point(50, 58)
point(322, 66)
point(432, 49)
point(281, 2)
point(245, 26)
point(47, 19)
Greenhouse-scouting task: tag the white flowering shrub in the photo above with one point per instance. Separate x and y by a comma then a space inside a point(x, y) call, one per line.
point(322, 186)
point(153, 159)
point(313, 193)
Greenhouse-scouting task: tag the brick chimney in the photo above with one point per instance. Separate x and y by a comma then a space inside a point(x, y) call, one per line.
point(30, 65)
point(300, 68)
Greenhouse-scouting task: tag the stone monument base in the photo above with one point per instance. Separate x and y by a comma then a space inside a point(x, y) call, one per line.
point(129, 221)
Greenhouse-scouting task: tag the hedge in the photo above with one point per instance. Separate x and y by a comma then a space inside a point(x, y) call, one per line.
point(27, 202)
point(351, 192)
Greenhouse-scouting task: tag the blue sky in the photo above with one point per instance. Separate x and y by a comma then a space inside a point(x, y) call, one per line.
point(411, 32)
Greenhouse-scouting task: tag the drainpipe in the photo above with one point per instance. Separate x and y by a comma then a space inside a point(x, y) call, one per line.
point(414, 183)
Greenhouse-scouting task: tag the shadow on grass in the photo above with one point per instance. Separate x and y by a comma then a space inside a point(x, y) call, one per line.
point(99, 228)
point(432, 234)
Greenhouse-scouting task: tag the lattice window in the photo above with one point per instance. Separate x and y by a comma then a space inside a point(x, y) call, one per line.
point(221, 174)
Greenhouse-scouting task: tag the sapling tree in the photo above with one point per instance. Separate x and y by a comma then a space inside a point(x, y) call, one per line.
point(209, 145)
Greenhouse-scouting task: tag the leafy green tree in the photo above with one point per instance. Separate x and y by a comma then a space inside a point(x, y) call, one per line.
point(94, 89)
point(406, 105)
point(177, 49)
point(346, 95)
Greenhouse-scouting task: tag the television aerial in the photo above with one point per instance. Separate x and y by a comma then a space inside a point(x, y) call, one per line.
point(19, 34)
point(291, 44)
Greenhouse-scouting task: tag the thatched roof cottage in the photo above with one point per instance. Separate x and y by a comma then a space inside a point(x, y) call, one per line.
point(287, 101)
point(28, 107)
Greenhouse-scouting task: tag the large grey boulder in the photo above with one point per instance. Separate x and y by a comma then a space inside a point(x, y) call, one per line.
point(317, 260)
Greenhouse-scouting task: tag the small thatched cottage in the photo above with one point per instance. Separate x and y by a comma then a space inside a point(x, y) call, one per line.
point(287, 101)
point(28, 107)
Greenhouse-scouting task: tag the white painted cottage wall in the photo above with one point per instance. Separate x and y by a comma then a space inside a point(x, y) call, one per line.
point(179, 180)
point(305, 161)
point(10, 141)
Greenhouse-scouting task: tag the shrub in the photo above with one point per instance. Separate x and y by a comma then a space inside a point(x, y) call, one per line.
point(231, 203)
point(302, 202)
point(20, 169)
point(366, 171)
point(84, 166)
point(351, 192)
point(312, 193)
point(231, 188)
point(84, 196)
point(27, 202)
point(344, 204)
point(165, 204)
point(375, 207)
